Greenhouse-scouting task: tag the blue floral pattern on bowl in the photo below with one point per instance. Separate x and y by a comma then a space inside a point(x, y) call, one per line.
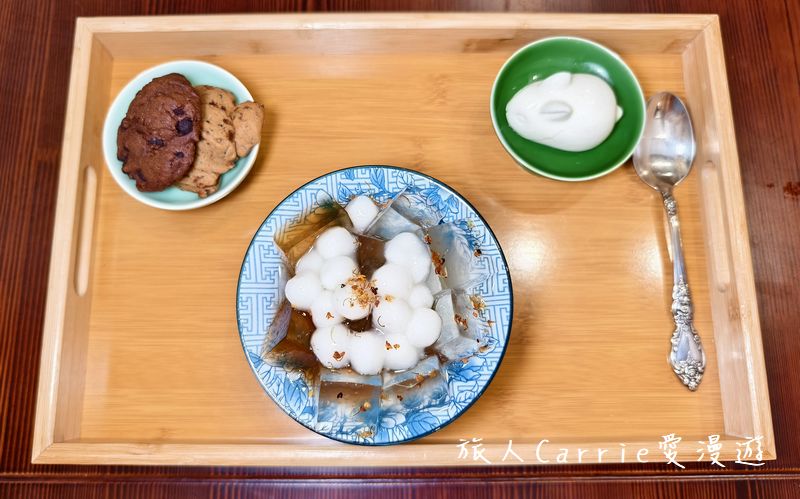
point(259, 295)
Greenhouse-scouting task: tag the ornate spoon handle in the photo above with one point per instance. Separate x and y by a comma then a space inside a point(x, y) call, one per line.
point(687, 357)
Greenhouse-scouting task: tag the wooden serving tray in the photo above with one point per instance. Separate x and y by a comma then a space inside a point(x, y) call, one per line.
point(141, 359)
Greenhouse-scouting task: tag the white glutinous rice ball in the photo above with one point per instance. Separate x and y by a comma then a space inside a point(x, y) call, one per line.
point(336, 241)
point(367, 351)
point(353, 304)
point(310, 261)
point(362, 212)
point(403, 245)
point(323, 310)
point(331, 345)
point(424, 327)
point(391, 316)
point(302, 289)
point(400, 353)
point(420, 297)
point(337, 271)
point(392, 280)
point(408, 250)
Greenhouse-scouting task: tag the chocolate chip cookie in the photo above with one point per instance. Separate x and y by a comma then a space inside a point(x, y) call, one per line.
point(156, 140)
point(216, 151)
point(228, 132)
point(248, 117)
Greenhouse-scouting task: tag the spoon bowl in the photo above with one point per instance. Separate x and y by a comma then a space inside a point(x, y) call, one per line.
point(665, 154)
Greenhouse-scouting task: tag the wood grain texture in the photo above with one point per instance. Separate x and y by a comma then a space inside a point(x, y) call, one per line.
point(761, 43)
point(499, 489)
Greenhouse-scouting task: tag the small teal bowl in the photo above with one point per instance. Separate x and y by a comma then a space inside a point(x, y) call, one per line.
point(172, 198)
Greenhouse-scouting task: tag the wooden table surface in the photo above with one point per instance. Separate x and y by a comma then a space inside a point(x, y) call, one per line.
point(762, 44)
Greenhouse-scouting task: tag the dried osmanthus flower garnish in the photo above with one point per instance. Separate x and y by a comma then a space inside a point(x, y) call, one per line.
point(438, 264)
point(389, 346)
point(367, 405)
point(366, 433)
point(477, 303)
point(364, 293)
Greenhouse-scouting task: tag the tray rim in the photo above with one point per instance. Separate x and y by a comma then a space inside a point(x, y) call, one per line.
point(416, 20)
point(47, 448)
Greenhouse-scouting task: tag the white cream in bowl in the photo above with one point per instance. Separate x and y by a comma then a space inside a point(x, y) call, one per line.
point(568, 111)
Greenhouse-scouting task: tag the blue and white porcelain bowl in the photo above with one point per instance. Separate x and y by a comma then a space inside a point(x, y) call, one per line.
point(457, 384)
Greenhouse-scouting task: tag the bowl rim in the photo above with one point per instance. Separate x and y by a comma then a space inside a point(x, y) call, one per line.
point(509, 327)
point(528, 166)
point(110, 157)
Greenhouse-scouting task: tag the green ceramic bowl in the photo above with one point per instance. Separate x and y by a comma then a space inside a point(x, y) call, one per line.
point(172, 198)
point(548, 56)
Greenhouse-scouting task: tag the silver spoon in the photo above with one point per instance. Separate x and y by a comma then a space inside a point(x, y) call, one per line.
point(662, 159)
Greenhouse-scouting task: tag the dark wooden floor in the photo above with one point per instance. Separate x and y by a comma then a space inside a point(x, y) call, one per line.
point(762, 43)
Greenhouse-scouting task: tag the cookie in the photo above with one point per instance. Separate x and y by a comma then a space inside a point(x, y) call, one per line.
point(248, 118)
point(216, 151)
point(156, 140)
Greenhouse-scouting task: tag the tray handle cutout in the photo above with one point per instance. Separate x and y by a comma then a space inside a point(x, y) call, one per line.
point(86, 228)
point(717, 242)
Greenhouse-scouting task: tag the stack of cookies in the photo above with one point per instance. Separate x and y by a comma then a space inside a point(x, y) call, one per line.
point(176, 134)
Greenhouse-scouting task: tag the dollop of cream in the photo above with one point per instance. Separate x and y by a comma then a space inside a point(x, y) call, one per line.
point(568, 111)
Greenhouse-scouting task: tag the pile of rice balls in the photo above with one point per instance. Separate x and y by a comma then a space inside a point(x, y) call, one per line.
point(329, 285)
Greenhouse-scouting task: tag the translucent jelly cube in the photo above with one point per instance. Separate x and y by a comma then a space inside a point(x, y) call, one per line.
point(293, 350)
point(415, 208)
point(445, 307)
point(298, 236)
point(453, 252)
point(421, 387)
point(277, 328)
point(347, 402)
point(433, 282)
point(370, 254)
point(462, 347)
point(464, 330)
point(406, 212)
